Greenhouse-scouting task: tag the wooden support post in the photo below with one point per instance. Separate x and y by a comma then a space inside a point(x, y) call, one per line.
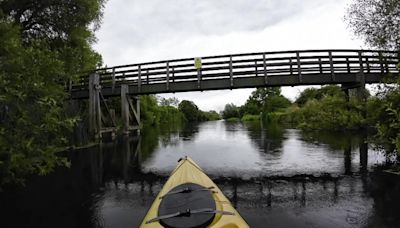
point(348, 65)
point(147, 76)
point(231, 70)
point(298, 66)
point(137, 101)
point(94, 106)
point(291, 66)
point(125, 108)
point(361, 79)
point(113, 121)
point(128, 107)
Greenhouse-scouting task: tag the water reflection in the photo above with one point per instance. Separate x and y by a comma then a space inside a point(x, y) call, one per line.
point(274, 176)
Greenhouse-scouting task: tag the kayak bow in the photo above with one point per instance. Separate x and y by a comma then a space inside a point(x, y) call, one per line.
point(190, 198)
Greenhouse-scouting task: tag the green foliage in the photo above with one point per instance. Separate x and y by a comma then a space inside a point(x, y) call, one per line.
point(249, 117)
point(318, 94)
point(332, 113)
point(261, 101)
point(233, 119)
point(210, 115)
point(275, 103)
point(325, 108)
point(43, 44)
point(164, 112)
point(230, 111)
point(149, 110)
point(152, 114)
point(387, 118)
point(189, 110)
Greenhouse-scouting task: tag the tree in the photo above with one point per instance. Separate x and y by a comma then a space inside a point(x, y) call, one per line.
point(43, 44)
point(376, 21)
point(259, 95)
point(275, 103)
point(230, 111)
point(318, 94)
point(172, 101)
point(189, 110)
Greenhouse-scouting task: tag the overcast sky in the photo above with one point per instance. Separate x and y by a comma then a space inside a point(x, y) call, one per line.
point(135, 31)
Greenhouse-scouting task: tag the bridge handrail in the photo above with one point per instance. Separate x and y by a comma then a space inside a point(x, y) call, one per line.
point(250, 54)
point(296, 62)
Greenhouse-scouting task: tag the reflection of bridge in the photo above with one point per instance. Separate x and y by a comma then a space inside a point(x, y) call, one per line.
point(350, 68)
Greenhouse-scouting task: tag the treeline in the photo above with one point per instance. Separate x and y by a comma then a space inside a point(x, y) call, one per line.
point(328, 108)
point(261, 102)
point(171, 111)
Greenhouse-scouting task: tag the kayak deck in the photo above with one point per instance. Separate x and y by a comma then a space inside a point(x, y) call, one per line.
point(187, 171)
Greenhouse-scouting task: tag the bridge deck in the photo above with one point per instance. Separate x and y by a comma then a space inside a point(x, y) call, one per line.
point(290, 68)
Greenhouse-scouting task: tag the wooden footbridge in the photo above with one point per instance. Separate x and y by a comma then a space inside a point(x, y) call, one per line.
point(349, 68)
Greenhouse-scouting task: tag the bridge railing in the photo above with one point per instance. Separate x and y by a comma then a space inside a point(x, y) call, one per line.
point(265, 64)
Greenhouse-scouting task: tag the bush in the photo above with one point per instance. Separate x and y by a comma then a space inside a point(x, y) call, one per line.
point(248, 117)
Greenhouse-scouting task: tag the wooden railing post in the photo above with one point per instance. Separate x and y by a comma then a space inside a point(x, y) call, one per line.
point(298, 66)
point(255, 67)
point(139, 78)
point(348, 65)
point(320, 65)
point(291, 66)
point(231, 70)
point(381, 62)
point(167, 76)
point(360, 62)
point(113, 79)
point(199, 78)
point(265, 69)
point(173, 74)
point(331, 66)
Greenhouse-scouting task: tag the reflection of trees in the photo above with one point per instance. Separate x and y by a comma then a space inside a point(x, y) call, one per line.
point(189, 131)
point(268, 138)
point(343, 141)
point(384, 189)
point(335, 140)
point(298, 191)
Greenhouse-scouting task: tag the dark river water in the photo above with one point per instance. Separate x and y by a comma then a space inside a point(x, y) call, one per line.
point(274, 176)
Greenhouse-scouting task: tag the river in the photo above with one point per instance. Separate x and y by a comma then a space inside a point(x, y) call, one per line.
point(274, 176)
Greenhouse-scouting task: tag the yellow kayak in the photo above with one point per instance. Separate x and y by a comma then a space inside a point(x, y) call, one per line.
point(191, 199)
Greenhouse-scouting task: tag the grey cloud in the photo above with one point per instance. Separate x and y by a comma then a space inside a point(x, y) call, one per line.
point(151, 21)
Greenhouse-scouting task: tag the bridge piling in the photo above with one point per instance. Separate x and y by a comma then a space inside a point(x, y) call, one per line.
point(94, 106)
point(130, 110)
